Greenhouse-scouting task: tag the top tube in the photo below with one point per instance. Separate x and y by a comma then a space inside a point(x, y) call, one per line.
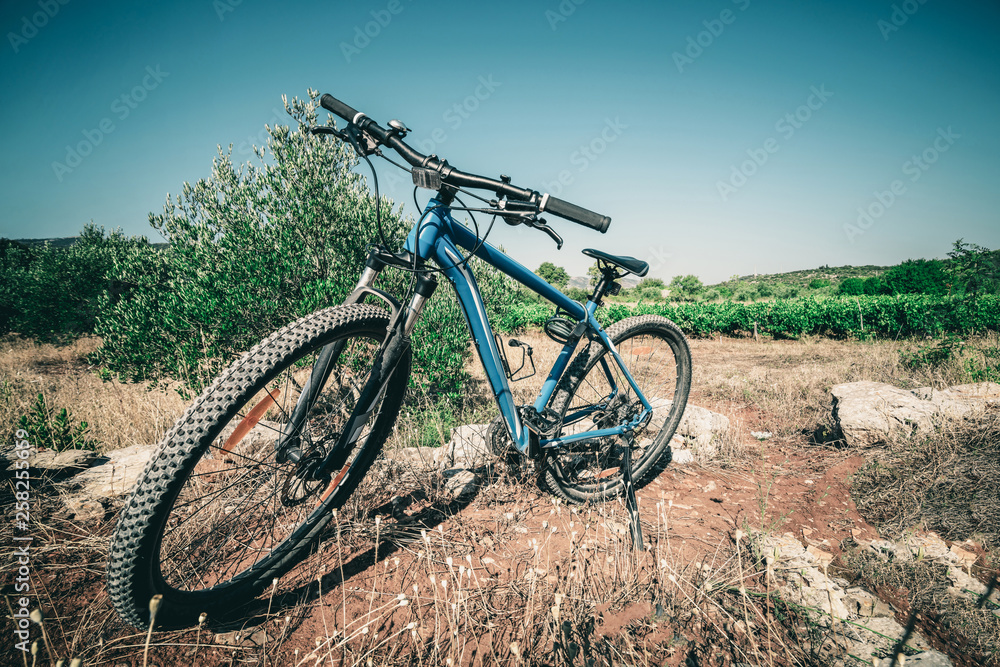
point(437, 223)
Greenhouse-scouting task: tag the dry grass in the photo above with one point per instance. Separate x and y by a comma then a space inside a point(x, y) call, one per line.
point(119, 414)
point(948, 482)
point(922, 587)
point(487, 592)
point(789, 381)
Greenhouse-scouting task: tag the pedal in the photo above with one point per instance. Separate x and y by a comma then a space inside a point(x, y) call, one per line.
point(546, 424)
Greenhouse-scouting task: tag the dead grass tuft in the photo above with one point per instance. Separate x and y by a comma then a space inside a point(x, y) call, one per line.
point(948, 482)
point(119, 414)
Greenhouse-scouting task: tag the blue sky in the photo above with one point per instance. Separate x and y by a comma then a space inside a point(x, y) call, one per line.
point(721, 136)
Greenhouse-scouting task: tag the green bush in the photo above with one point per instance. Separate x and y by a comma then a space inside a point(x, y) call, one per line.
point(55, 430)
point(818, 283)
point(851, 286)
point(917, 276)
point(255, 246)
point(54, 293)
point(876, 285)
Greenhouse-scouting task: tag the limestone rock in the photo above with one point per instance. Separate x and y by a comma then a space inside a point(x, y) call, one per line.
point(418, 458)
point(118, 475)
point(868, 412)
point(699, 426)
point(965, 399)
point(466, 449)
point(60, 464)
point(83, 510)
point(460, 483)
point(929, 659)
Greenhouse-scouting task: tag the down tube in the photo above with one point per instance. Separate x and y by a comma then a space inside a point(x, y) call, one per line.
point(475, 314)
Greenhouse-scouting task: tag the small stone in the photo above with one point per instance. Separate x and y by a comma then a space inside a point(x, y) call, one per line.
point(683, 457)
point(82, 509)
point(460, 483)
point(824, 557)
point(966, 558)
point(928, 659)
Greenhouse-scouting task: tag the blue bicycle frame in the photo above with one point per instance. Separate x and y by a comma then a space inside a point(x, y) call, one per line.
point(437, 235)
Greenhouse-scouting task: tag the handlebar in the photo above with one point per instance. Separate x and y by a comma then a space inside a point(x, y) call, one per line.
point(452, 176)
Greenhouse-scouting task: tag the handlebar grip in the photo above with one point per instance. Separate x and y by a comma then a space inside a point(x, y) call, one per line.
point(575, 213)
point(331, 103)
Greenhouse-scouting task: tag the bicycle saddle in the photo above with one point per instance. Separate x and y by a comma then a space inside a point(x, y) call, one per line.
point(630, 264)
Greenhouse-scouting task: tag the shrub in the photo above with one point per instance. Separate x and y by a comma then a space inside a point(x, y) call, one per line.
point(255, 246)
point(876, 285)
point(818, 283)
point(55, 430)
point(54, 293)
point(851, 286)
point(917, 276)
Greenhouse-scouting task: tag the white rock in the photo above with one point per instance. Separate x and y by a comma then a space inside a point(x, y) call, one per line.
point(699, 426)
point(929, 659)
point(118, 475)
point(682, 457)
point(965, 399)
point(868, 412)
point(460, 482)
point(466, 449)
point(69, 462)
point(419, 458)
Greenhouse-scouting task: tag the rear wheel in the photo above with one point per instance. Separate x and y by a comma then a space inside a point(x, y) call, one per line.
point(594, 394)
point(217, 515)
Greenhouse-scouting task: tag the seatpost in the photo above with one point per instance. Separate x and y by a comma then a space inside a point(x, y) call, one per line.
point(607, 282)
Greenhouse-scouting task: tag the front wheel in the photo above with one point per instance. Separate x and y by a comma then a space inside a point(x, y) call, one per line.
point(218, 514)
point(594, 394)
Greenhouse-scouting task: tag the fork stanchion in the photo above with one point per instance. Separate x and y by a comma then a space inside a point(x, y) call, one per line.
point(630, 502)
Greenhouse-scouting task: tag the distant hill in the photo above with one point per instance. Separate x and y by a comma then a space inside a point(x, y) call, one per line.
point(66, 241)
point(801, 278)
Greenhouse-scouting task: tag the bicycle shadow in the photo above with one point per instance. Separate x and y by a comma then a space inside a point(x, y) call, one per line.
point(318, 576)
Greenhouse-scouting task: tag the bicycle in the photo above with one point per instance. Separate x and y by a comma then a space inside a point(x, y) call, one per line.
point(244, 484)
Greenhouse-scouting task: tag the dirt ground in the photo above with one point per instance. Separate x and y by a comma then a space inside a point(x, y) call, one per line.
point(510, 576)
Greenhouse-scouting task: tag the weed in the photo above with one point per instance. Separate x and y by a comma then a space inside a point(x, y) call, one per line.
point(56, 431)
point(933, 354)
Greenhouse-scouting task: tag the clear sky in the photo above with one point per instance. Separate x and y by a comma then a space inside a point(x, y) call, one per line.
point(721, 136)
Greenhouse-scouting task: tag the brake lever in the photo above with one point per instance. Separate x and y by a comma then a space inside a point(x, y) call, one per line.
point(542, 226)
point(324, 129)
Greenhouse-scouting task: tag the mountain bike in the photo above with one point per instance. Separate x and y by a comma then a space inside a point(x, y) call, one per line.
point(243, 486)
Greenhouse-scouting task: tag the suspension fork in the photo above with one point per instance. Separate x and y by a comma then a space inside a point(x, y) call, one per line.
point(393, 348)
